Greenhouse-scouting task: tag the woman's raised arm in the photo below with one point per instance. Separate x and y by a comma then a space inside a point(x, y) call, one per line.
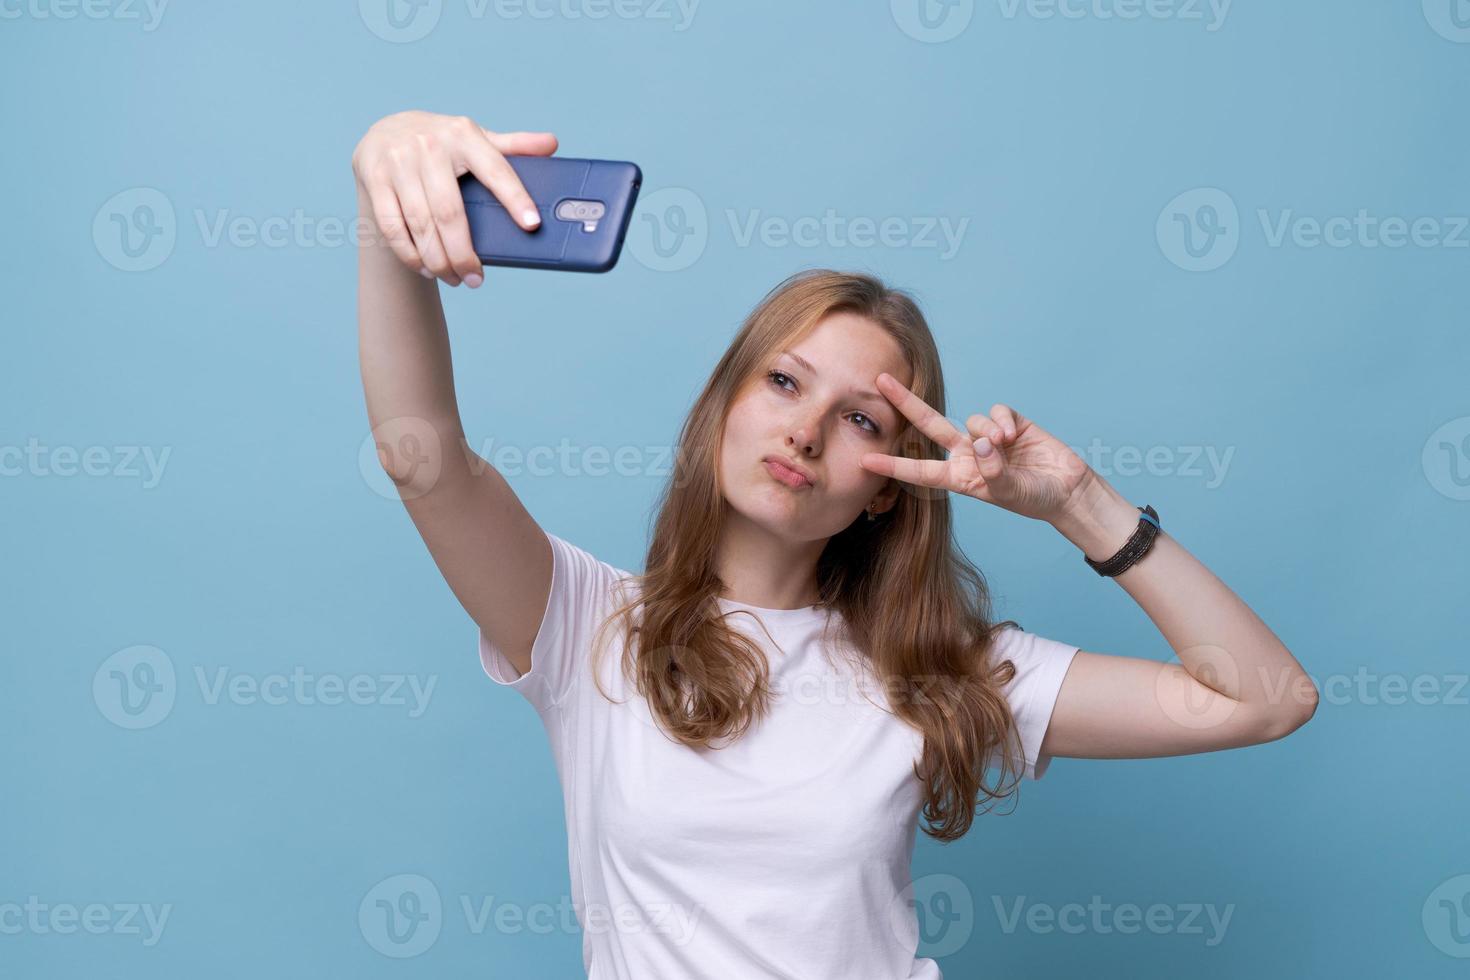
point(494, 556)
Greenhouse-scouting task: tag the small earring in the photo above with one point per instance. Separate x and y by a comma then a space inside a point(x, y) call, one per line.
point(871, 516)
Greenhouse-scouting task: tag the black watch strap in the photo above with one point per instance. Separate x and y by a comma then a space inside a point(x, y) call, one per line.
point(1136, 547)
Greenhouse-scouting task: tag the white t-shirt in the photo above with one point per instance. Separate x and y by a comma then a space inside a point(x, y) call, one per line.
point(785, 853)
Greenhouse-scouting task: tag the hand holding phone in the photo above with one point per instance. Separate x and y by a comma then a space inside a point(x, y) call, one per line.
point(408, 166)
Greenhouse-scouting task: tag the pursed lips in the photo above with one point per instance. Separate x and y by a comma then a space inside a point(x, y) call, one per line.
point(790, 477)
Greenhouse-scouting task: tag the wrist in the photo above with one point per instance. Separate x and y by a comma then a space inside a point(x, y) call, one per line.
point(1098, 519)
point(368, 232)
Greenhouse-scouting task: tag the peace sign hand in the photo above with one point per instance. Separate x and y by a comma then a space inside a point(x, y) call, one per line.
point(1006, 459)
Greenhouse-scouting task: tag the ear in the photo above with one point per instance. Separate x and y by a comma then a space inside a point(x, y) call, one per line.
point(884, 500)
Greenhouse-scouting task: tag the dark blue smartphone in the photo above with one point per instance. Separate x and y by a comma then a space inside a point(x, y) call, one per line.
point(586, 207)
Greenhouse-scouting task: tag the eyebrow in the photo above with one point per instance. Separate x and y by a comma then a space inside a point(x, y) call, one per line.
point(863, 393)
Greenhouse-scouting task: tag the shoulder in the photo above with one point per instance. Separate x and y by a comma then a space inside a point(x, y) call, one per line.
point(1035, 657)
point(578, 569)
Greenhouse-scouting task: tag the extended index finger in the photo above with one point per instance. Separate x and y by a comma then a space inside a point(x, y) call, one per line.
point(921, 472)
point(542, 144)
point(922, 414)
point(490, 168)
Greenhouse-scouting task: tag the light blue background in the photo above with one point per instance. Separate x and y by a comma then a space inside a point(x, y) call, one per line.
point(1327, 372)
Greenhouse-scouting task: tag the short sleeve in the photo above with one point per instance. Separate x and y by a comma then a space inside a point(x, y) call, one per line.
point(580, 587)
point(1041, 665)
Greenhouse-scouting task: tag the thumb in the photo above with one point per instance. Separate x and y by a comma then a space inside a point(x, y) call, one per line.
point(522, 143)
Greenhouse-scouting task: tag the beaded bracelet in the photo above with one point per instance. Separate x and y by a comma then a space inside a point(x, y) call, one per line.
point(1136, 547)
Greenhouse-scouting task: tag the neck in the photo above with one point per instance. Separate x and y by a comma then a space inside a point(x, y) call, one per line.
point(762, 569)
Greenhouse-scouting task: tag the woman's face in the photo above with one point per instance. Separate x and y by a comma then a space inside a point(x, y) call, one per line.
point(816, 406)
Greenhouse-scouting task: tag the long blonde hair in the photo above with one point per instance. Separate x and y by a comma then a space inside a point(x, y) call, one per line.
point(912, 606)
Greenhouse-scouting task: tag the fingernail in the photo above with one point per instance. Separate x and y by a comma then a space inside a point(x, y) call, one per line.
point(425, 273)
point(983, 447)
point(531, 217)
point(473, 280)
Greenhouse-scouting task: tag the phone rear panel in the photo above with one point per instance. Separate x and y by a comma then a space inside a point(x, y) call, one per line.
point(562, 241)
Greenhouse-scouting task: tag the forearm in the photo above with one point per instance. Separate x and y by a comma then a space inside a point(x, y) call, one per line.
point(1217, 637)
point(403, 343)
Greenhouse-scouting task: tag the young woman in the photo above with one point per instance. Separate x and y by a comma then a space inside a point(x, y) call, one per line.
point(747, 732)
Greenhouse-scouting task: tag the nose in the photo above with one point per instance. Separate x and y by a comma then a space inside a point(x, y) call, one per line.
point(805, 437)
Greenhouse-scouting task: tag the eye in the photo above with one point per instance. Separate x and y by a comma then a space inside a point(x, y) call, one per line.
point(779, 378)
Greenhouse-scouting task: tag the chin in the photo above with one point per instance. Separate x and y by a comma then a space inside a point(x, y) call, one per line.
point(773, 508)
point(791, 517)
